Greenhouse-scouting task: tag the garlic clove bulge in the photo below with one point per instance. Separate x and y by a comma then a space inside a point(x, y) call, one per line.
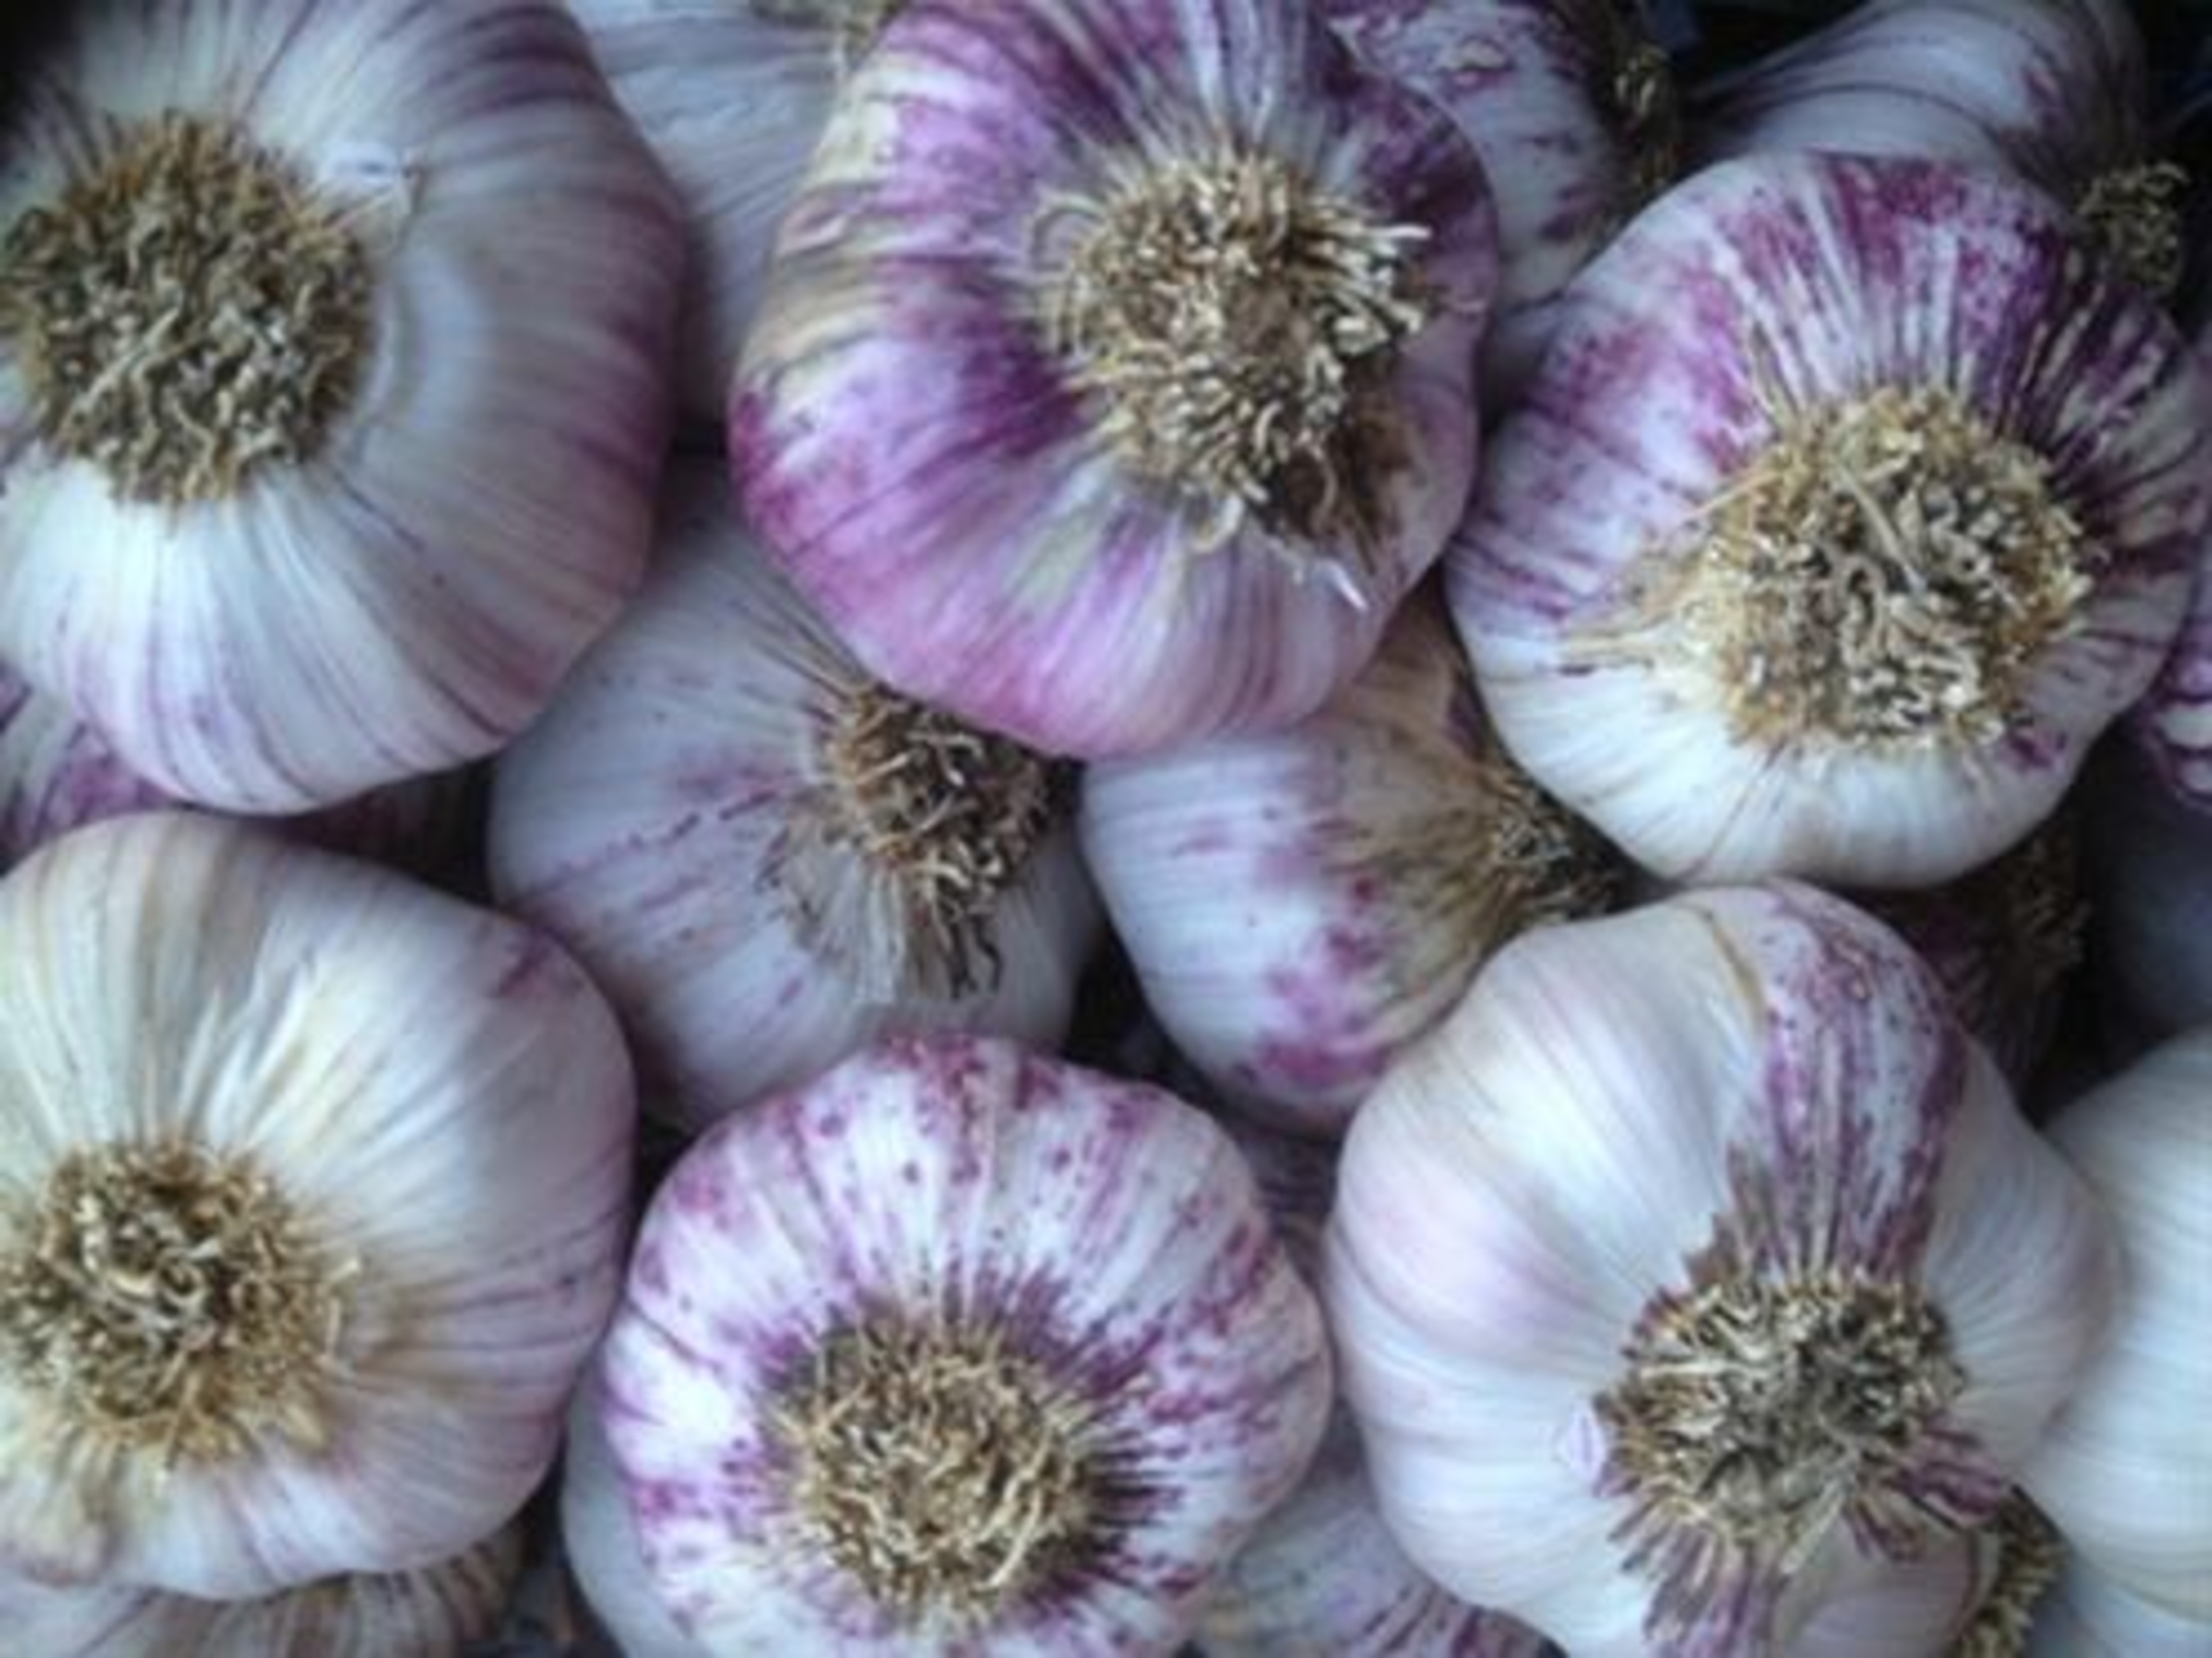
point(2055, 93)
point(1114, 377)
point(1303, 905)
point(2087, 1615)
point(351, 509)
point(435, 1612)
point(312, 1187)
point(1676, 1279)
point(2126, 1474)
point(1572, 109)
point(957, 1349)
point(732, 94)
point(765, 857)
point(1852, 502)
point(599, 1537)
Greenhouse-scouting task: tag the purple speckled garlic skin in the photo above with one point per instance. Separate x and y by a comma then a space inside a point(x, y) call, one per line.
point(2052, 92)
point(916, 457)
point(1524, 81)
point(1740, 1081)
point(1107, 1229)
point(1831, 275)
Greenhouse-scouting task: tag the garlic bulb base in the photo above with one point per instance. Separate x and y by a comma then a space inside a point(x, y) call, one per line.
point(191, 311)
point(2024, 1553)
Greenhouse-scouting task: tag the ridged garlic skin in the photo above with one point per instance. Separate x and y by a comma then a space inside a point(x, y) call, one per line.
point(732, 95)
point(1104, 1233)
point(921, 454)
point(1805, 279)
point(2055, 92)
point(1749, 1102)
point(666, 820)
point(2087, 1615)
point(2126, 1474)
point(477, 506)
point(442, 1108)
point(1534, 84)
point(1301, 906)
point(2149, 870)
point(598, 1539)
point(434, 1612)
point(2173, 723)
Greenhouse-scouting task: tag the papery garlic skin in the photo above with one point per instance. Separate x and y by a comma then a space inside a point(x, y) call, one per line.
point(2087, 1615)
point(2174, 722)
point(1301, 906)
point(969, 422)
point(436, 1611)
point(2149, 865)
point(1070, 1270)
point(1572, 110)
point(2126, 1473)
point(684, 819)
point(732, 94)
point(598, 1539)
point(1741, 1117)
point(1638, 657)
point(2052, 92)
point(421, 498)
point(396, 1126)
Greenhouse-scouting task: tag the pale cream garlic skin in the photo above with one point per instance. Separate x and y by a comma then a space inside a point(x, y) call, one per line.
point(1301, 906)
point(435, 1612)
point(1677, 1279)
point(1854, 499)
point(313, 1190)
point(299, 500)
point(957, 1349)
point(766, 857)
point(2126, 1473)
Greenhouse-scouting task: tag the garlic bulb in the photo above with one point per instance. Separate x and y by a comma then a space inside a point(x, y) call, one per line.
point(350, 509)
point(2126, 1474)
point(1852, 501)
point(1571, 107)
point(732, 95)
point(433, 1613)
point(958, 1350)
point(312, 1183)
point(1322, 1577)
point(2173, 723)
point(56, 774)
point(1114, 377)
point(1301, 906)
point(1676, 1279)
point(2149, 866)
point(2052, 92)
point(764, 856)
point(2086, 1615)
point(599, 1537)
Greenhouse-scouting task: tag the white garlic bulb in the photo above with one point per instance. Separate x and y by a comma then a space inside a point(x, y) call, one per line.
point(312, 1184)
point(957, 1349)
point(765, 857)
point(300, 499)
point(1115, 375)
point(2087, 1615)
point(436, 1611)
point(1851, 503)
point(2126, 1474)
point(732, 94)
point(599, 1538)
point(1301, 906)
point(1676, 1279)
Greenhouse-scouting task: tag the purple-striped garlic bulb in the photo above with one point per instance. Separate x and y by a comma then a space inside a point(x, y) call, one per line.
point(440, 1610)
point(1573, 110)
point(313, 1183)
point(764, 856)
point(1322, 1576)
point(1678, 1281)
point(1114, 380)
point(2174, 722)
point(732, 94)
point(2054, 93)
point(1852, 502)
point(56, 774)
point(1301, 906)
point(299, 500)
point(956, 1350)
point(2126, 1473)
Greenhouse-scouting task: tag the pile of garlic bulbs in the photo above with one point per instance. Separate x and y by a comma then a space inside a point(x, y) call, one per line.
point(1316, 827)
